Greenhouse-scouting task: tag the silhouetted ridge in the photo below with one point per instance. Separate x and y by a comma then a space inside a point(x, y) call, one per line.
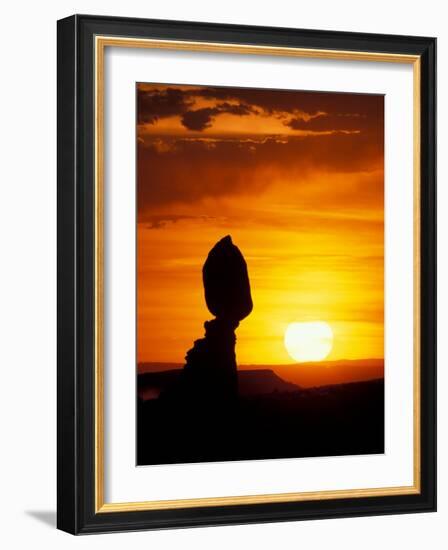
point(260, 382)
point(250, 382)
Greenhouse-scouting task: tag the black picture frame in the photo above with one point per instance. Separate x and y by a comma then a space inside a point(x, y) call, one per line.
point(76, 511)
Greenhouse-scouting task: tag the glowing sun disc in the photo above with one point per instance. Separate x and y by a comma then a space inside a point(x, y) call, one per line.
point(310, 341)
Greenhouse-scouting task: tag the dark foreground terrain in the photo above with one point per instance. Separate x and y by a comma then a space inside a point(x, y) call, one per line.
point(271, 419)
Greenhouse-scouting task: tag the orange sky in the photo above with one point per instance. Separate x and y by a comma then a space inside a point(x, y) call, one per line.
point(296, 178)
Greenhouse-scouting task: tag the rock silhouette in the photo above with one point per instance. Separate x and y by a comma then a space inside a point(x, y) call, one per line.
point(226, 282)
point(210, 376)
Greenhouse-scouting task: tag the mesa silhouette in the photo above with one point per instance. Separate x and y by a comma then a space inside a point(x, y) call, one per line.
point(305, 375)
point(211, 411)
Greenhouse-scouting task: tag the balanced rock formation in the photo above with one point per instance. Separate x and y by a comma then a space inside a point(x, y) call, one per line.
point(226, 282)
point(209, 380)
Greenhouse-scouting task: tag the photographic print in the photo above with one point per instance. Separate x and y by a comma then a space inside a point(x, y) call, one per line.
point(260, 273)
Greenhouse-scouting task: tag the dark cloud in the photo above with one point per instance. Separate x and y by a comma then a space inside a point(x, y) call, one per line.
point(240, 109)
point(155, 104)
point(161, 102)
point(200, 119)
point(284, 101)
point(336, 123)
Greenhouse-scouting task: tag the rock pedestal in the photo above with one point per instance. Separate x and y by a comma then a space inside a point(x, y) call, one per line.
point(210, 371)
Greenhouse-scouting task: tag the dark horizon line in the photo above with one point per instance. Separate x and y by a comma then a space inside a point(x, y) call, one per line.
point(272, 364)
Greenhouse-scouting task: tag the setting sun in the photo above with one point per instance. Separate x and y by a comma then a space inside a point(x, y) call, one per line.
point(309, 341)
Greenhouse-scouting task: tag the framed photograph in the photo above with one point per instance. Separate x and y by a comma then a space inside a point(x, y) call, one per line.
point(246, 274)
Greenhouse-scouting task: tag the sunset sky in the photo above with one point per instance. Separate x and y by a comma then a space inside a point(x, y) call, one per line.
point(296, 178)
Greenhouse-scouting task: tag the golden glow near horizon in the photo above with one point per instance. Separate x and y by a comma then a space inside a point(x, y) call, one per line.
point(310, 341)
point(296, 178)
